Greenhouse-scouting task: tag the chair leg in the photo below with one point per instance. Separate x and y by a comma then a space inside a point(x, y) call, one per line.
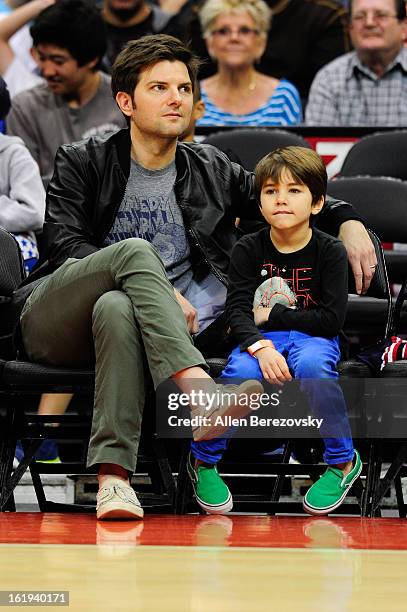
point(10, 504)
point(279, 481)
point(7, 451)
point(184, 486)
point(391, 474)
point(38, 488)
point(373, 467)
point(400, 498)
point(165, 471)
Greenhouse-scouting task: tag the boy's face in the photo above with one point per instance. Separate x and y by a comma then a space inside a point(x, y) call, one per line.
point(287, 204)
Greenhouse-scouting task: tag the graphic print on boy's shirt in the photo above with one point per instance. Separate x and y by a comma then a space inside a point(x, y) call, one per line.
point(284, 285)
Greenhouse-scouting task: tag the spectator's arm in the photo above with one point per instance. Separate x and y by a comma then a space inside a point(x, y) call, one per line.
point(293, 104)
point(10, 24)
point(244, 202)
point(6, 56)
point(69, 215)
point(340, 218)
point(20, 123)
point(23, 208)
point(242, 283)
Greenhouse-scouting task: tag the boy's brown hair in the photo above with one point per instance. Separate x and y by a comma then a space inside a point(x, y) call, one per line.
point(304, 164)
point(146, 51)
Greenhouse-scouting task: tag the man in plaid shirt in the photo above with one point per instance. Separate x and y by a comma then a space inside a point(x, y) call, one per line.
point(369, 85)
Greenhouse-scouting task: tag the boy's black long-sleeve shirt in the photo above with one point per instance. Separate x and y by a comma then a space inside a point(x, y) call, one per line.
point(317, 274)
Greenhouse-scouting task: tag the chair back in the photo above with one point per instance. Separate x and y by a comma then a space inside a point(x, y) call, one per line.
point(11, 275)
point(11, 263)
point(380, 154)
point(382, 202)
point(248, 145)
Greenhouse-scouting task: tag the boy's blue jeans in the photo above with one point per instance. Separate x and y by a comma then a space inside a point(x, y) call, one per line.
point(307, 357)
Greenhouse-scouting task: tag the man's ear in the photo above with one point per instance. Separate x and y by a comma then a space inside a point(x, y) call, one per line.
point(93, 63)
point(198, 110)
point(125, 103)
point(318, 206)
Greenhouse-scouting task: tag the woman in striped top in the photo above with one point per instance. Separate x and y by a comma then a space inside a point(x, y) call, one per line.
point(235, 32)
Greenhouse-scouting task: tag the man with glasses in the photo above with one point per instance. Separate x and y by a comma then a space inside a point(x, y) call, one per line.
point(369, 85)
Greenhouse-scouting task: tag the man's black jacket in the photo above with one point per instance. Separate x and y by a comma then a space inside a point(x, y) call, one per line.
point(90, 179)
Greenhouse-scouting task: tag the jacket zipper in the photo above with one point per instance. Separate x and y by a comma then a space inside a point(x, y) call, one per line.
point(198, 245)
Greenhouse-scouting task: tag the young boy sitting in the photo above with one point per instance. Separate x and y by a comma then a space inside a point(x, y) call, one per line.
point(295, 335)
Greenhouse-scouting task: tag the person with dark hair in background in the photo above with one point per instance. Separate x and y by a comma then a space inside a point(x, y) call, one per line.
point(131, 19)
point(198, 111)
point(75, 102)
point(369, 85)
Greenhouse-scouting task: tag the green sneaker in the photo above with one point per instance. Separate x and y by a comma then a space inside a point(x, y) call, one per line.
point(330, 490)
point(211, 492)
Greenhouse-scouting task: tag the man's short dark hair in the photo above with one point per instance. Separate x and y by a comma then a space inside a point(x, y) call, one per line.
point(147, 51)
point(4, 99)
point(399, 6)
point(74, 25)
point(304, 165)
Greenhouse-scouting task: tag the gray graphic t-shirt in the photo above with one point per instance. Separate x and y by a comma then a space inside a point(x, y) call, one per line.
point(149, 210)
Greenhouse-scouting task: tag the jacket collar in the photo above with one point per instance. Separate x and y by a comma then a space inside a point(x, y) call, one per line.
point(122, 142)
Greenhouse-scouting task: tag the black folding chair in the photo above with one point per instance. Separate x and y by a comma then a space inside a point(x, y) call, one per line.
point(394, 380)
point(248, 145)
point(382, 202)
point(380, 154)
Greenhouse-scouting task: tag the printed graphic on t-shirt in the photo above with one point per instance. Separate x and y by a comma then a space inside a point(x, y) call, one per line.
point(283, 285)
point(156, 220)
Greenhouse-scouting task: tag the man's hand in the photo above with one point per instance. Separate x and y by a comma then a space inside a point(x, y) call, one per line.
point(191, 314)
point(361, 253)
point(273, 365)
point(261, 315)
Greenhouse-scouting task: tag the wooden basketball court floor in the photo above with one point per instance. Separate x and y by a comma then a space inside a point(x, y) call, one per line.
point(208, 563)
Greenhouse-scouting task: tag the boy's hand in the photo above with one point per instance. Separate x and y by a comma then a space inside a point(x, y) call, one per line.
point(261, 315)
point(273, 365)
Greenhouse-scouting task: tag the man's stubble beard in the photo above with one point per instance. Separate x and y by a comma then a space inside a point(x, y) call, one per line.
point(126, 14)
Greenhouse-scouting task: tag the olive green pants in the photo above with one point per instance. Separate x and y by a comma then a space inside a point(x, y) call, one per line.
point(114, 308)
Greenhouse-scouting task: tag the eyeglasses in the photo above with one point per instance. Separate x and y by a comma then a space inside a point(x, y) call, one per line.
point(243, 31)
point(377, 16)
